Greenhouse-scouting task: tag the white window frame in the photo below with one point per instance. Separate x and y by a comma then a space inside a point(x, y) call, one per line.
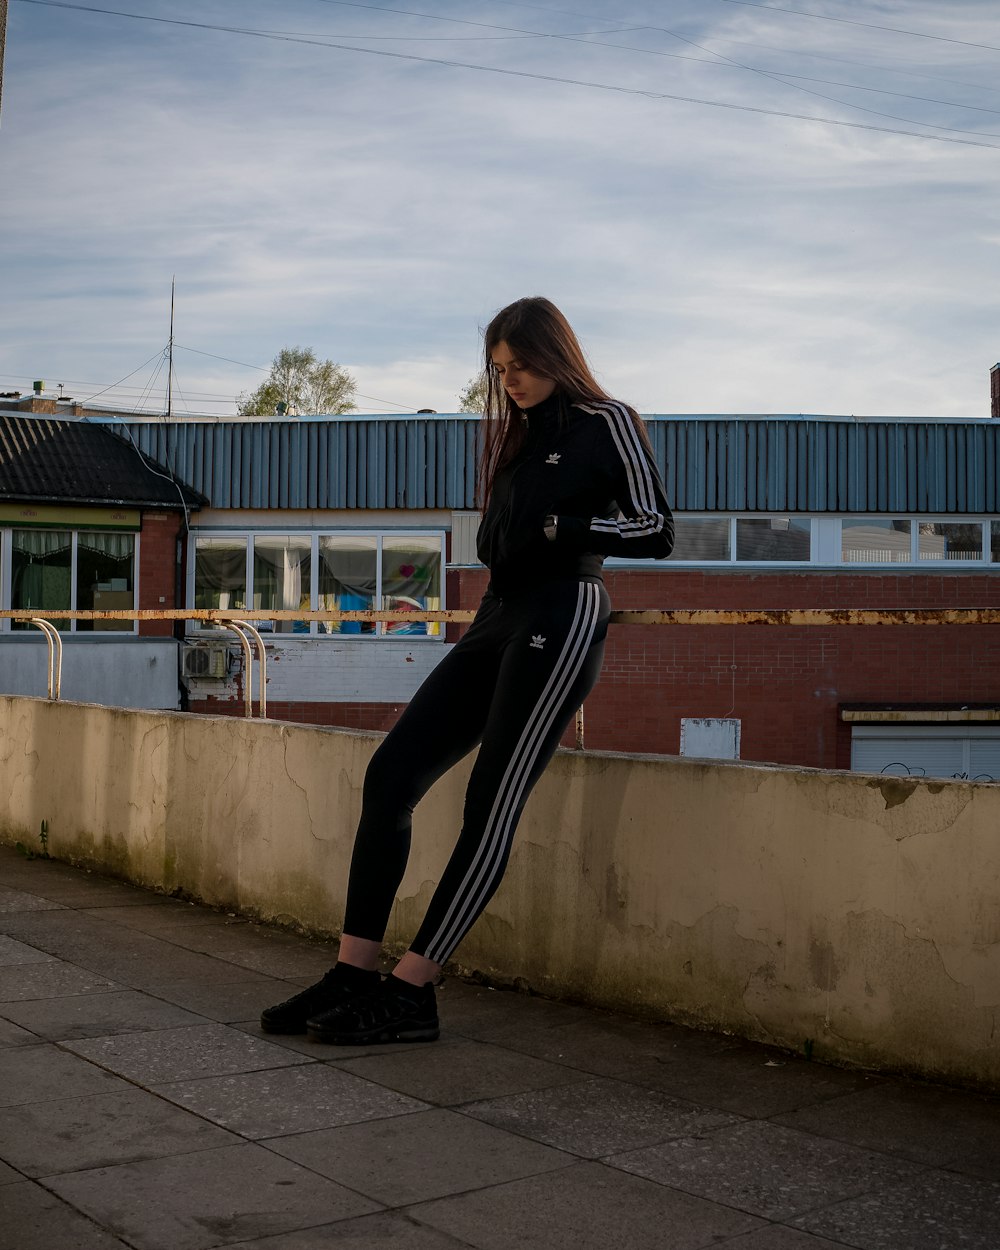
point(826, 544)
point(6, 587)
point(248, 535)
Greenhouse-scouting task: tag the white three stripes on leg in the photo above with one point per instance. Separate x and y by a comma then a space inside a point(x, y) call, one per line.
point(479, 879)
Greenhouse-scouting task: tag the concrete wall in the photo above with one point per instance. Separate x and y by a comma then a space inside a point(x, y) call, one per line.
point(857, 913)
point(122, 672)
point(327, 669)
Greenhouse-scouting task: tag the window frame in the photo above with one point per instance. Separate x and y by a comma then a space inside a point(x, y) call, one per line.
point(248, 534)
point(826, 544)
point(7, 588)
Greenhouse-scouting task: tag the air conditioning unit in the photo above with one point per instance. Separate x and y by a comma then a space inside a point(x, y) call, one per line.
point(206, 661)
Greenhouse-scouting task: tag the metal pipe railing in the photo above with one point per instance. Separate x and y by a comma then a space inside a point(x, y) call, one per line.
point(55, 654)
point(262, 660)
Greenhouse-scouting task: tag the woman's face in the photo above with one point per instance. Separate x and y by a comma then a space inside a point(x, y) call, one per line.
point(525, 389)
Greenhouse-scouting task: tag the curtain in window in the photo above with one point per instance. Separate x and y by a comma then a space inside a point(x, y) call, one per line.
point(281, 577)
point(220, 574)
point(411, 578)
point(348, 580)
point(104, 578)
point(40, 572)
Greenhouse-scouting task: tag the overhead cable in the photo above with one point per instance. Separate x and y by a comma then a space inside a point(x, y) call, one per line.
point(517, 73)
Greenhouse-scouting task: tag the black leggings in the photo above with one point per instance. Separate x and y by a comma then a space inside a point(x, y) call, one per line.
point(512, 685)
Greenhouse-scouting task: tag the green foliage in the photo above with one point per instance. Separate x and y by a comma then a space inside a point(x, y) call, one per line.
point(473, 398)
point(43, 838)
point(303, 384)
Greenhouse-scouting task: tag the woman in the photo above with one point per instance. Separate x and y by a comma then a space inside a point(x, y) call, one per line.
point(566, 478)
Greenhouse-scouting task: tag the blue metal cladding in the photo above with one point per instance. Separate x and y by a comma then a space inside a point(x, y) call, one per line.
point(709, 464)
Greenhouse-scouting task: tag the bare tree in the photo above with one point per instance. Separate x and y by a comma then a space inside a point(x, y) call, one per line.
point(299, 383)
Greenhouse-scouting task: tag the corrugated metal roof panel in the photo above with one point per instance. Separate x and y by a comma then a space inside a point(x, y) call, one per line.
point(726, 464)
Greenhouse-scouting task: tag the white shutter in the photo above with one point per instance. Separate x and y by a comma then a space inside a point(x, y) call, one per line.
point(971, 751)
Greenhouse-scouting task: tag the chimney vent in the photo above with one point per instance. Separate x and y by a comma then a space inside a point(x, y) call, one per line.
point(995, 392)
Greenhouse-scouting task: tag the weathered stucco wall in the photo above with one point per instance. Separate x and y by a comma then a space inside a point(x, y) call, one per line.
point(859, 914)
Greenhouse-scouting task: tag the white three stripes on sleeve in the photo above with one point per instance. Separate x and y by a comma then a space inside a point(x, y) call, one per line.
point(649, 520)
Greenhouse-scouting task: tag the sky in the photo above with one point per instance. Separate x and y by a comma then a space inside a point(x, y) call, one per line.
point(775, 207)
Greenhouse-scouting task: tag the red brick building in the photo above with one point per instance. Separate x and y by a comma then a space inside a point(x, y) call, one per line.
point(772, 512)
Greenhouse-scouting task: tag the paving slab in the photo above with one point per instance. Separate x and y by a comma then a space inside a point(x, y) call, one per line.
point(69, 1134)
point(128, 956)
point(599, 1116)
point(531, 1123)
point(587, 1204)
point(173, 914)
point(766, 1169)
point(494, 1015)
point(13, 1035)
point(228, 1002)
point(724, 1073)
point(457, 1073)
point(53, 979)
point(8, 1176)
point(935, 1211)
point(12, 901)
point(779, 1237)
point(287, 1100)
point(31, 1074)
point(387, 1230)
point(925, 1123)
point(209, 1198)
point(418, 1157)
point(97, 1015)
point(182, 1054)
point(34, 1219)
point(13, 953)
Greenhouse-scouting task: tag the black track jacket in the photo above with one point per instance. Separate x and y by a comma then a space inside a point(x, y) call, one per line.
point(585, 464)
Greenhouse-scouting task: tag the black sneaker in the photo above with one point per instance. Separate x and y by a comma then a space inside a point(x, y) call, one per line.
point(337, 986)
point(395, 1011)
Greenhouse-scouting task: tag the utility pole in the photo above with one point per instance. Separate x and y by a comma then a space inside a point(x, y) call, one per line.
point(170, 348)
point(3, 40)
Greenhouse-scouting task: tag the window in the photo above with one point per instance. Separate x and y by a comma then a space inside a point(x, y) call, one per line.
point(829, 540)
point(220, 575)
point(773, 538)
point(875, 540)
point(701, 538)
point(411, 578)
point(949, 540)
point(104, 578)
point(342, 572)
point(41, 572)
point(348, 580)
point(74, 570)
point(282, 566)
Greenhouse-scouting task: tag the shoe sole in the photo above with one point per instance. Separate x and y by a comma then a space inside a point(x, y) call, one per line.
point(282, 1028)
point(375, 1037)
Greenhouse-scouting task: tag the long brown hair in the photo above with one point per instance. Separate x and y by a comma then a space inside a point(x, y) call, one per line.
point(543, 342)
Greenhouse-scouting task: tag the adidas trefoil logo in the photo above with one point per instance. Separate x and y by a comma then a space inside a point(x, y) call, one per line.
point(553, 459)
point(537, 641)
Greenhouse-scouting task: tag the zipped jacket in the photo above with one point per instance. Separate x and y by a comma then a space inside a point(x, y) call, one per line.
point(586, 465)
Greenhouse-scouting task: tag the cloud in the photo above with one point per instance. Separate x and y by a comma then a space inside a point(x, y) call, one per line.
point(380, 210)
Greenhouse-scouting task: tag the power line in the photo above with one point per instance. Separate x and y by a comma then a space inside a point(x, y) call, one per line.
point(849, 21)
point(911, 73)
point(778, 77)
point(517, 73)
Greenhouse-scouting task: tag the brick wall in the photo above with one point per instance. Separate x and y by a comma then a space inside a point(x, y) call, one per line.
point(158, 565)
point(785, 684)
